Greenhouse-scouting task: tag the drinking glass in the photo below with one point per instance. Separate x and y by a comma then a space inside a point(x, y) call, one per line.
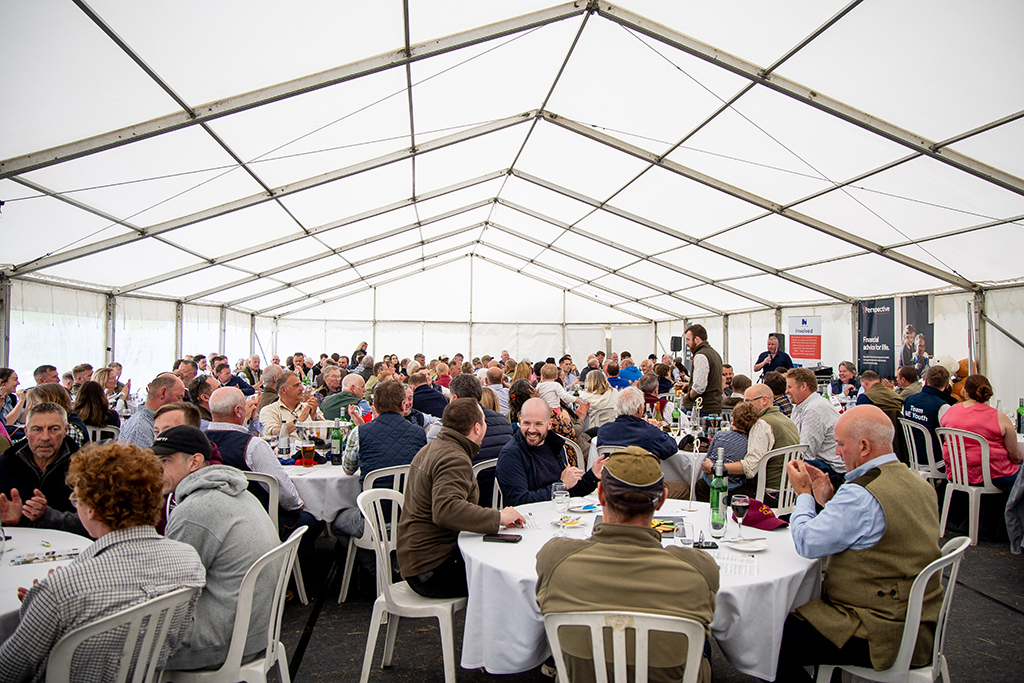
point(740, 505)
point(555, 488)
point(684, 534)
point(561, 501)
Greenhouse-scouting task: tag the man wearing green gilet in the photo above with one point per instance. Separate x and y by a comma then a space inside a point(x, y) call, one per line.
point(879, 530)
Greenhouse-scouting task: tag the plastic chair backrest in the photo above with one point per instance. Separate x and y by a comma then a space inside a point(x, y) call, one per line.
point(400, 477)
point(97, 434)
point(273, 494)
point(952, 554)
point(929, 470)
point(618, 623)
point(158, 614)
point(787, 496)
point(284, 557)
point(581, 462)
point(496, 496)
point(385, 537)
point(607, 449)
point(596, 418)
point(955, 442)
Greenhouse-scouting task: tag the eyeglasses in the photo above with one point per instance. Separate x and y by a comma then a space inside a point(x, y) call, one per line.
point(73, 498)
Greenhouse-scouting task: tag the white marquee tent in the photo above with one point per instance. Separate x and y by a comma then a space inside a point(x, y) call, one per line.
point(185, 176)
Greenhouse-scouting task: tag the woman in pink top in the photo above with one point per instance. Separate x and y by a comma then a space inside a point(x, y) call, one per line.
point(975, 415)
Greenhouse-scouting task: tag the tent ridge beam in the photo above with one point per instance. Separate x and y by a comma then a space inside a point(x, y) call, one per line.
point(281, 91)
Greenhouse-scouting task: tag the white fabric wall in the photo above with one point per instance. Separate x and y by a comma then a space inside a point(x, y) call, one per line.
point(748, 336)
point(665, 331)
point(1004, 368)
point(237, 337)
point(583, 340)
point(144, 339)
point(200, 330)
point(637, 339)
point(949, 313)
point(266, 338)
point(54, 326)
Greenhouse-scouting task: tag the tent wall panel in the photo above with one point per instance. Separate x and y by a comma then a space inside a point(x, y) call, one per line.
point(637, 339)
point(145, 339)
point(200, 331)
point(238, 334)
point(583, 340)
point(403, 338)
point(1003, 368)
point(492, 339)
point(537, 342)
point(54, 326)
point(748, 335)
point(443, 338)
point(266, 338)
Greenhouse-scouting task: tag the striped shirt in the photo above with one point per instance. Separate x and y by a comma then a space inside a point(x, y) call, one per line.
point(120, 569)
point(816, 419)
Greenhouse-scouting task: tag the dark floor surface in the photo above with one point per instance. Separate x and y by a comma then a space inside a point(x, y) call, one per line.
point(325, 641)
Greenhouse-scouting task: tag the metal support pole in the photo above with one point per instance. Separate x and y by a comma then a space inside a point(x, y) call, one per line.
point(5, 321)
point(223, 339)
point(725, 338)
point(179, 330)
point(110, 330)
point(855, 327)
point(252, 335)
point(778, 321)
point(373, 328)
point(469, 351)
point(565, 350)
point(980, 338)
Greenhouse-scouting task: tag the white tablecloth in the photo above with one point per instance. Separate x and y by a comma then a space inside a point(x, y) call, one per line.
point(325, 489)
point(1020, 444)
point(505, 631)
point(25, 542)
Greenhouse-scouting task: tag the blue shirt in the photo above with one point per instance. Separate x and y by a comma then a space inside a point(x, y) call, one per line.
point(630, 373)
point(618, 382)
point(852, 520)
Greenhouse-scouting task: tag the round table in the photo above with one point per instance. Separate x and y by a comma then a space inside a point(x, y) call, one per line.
point(505, 631)
point(325, 489)
point(12, 577)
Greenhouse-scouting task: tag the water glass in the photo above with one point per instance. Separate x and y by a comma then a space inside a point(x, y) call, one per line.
point(684, 534)
point(556, 487)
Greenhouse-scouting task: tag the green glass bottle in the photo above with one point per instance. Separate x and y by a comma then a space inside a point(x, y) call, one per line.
point(719, 497)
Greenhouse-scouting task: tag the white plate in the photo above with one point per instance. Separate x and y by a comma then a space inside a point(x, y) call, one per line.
point(747, 546)
point(585, 508)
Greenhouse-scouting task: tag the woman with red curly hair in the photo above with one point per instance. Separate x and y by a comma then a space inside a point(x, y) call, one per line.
point(118, 492)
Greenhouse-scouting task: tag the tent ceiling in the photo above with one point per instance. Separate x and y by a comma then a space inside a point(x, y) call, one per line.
point(660, 159)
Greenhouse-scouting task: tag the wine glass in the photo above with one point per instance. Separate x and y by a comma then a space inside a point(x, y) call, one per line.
point(740, 505)
point(561, 502)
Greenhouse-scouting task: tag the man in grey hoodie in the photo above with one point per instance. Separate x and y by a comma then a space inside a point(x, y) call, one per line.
point(211, 510)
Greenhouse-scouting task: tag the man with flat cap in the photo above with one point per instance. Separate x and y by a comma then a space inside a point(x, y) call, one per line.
point(629, 570)
point(214, 513)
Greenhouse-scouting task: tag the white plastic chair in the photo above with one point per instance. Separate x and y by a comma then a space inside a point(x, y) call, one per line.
point(954, 441)
point(281, 560)
point(496, 496)
point(596, 418)
point(97, 434)
point(158, 614)
point(273, 496)
point(619, 623)
point(581, 461)
point(398, 599)
point(930, 471)
point(952, 554)
point(787, 496)
point(401, 476)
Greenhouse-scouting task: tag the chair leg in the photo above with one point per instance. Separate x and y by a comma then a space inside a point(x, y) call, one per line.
point(945, 510)
point(300, 585)
point(444, 622)
point(282, 664)
point(943, 669)
point(974, 517)
point(389, 641)
point(350, 559)
point(371, 640)
point(824, 673)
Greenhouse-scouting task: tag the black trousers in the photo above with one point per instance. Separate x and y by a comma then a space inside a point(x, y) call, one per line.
point(803, 645)
point(447, 580)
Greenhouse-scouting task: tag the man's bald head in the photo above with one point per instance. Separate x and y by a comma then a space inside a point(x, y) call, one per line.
point(862, 434)
point(760, 395)
point(494, 375)
point(536, 407)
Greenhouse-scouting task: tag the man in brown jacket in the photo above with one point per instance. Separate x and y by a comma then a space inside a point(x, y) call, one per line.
point(441, 500)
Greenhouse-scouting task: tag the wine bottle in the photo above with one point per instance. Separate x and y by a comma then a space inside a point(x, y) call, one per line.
point(1020, 417)
point(719, 497)
point(336, 442)
point(675, 417)
point(284, 447)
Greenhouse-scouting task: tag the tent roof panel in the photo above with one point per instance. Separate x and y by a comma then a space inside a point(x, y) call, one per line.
point(525, 224)
point(193, 283)
point(1000, 147)
point(352, 195)
point(368, 227)
point(427, 21)
point(582, 309)
point(318, 35)
point(130, 262)
point(469, 159)
point(978, 255)
point(221, 235)
point(629, 233)
point(782, 242)
point(64, 96)
point(543, 200)
point(907, 76)
point(708, 263)
point(869, 275)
